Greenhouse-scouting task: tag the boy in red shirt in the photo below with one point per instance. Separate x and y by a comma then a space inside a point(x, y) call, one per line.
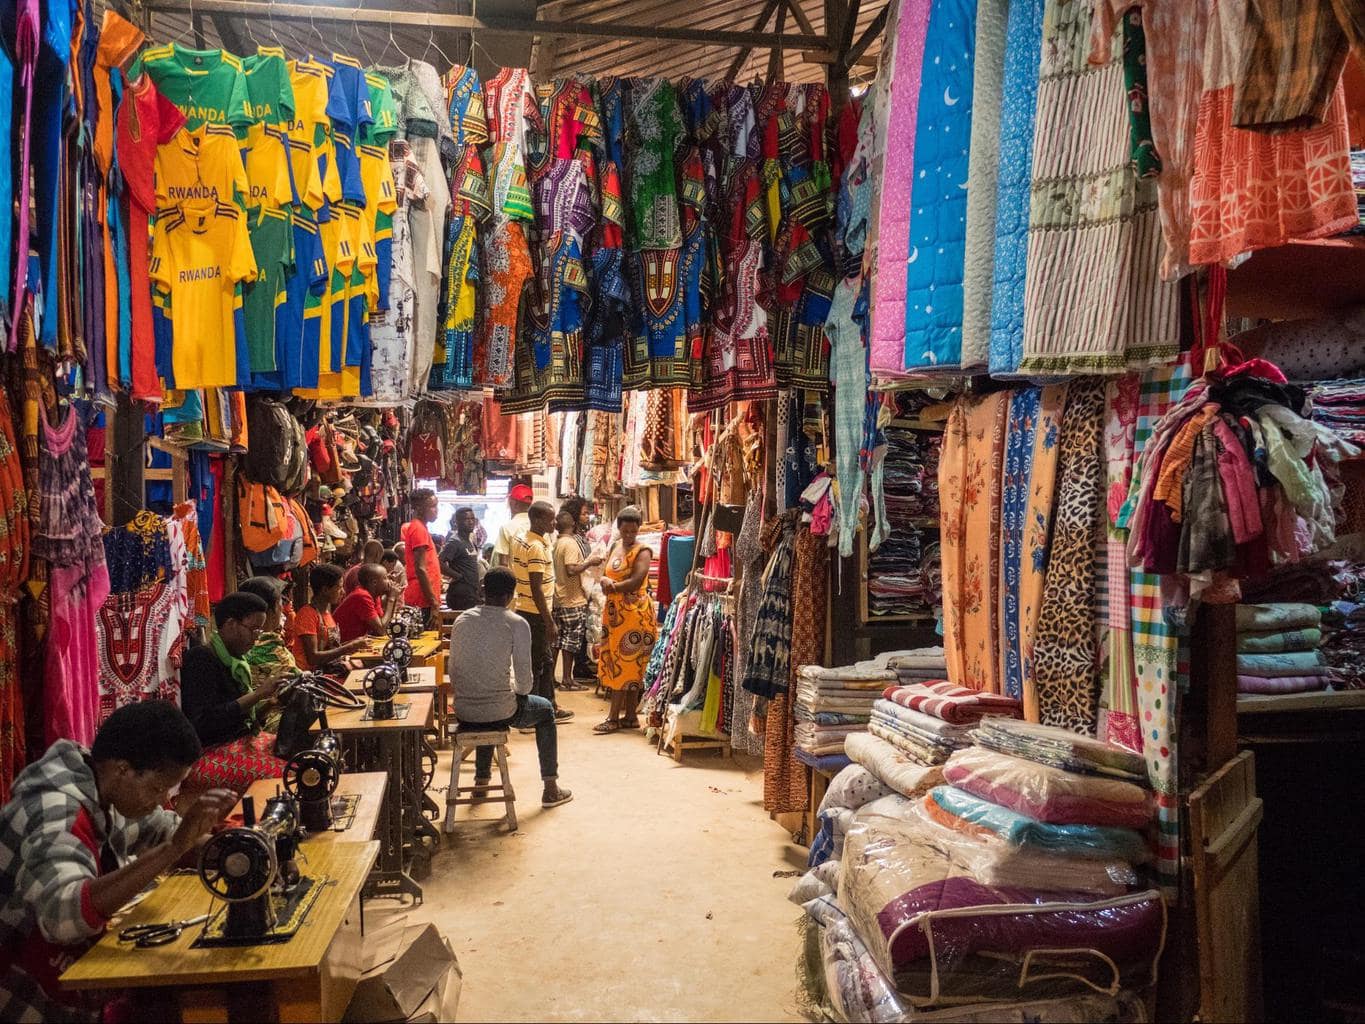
point(361, 612)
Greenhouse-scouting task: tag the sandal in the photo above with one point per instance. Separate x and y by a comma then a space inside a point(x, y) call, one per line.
point(571, 687)
point(606, 728)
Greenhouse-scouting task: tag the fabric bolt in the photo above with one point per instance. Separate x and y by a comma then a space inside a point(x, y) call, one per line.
point(1065, 659)
point(938, 194)
point(1094, 300)
point(893, 230)
point(1258, 684)
point(1019, 99)
point(1027, 494)
point(1263, 642)
point(970, 484)
point(983, 179)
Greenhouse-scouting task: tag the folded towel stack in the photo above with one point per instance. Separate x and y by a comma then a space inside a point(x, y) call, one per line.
point(1278, 649)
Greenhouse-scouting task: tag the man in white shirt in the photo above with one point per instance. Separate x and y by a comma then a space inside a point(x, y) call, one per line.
point(519, 500)
point(491, 679)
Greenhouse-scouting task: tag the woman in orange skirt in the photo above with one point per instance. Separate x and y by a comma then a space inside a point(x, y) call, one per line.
point(629, 624)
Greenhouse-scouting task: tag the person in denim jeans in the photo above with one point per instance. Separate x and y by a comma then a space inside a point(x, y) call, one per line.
point(491, 680)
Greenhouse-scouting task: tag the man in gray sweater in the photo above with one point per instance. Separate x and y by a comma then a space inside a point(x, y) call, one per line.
point(490, 675)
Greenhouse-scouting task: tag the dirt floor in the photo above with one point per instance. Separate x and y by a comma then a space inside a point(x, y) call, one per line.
point(657, 894)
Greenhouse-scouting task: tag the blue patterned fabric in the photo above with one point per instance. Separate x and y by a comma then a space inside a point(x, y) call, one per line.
point(1023, 49)
point(938, 194)
point(1023, 418)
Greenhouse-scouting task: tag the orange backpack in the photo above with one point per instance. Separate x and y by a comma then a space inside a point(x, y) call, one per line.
point(263, 516)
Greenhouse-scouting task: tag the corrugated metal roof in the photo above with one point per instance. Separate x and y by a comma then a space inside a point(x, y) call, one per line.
point(335, 30)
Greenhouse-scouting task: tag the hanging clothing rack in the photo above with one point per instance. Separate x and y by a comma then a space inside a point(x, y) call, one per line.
point(507, 26)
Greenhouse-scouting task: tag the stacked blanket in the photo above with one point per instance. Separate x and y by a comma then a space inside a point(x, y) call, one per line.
point(1278, 649)
point(1060, 748)
point(891, 766)
point(829, 704)
point(928, 739)
point(955, 704)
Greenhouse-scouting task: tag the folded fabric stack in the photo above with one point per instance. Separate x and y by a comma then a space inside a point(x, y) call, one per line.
point(1278, 649)
point(1340, 404)
point(954, 704)
point(1060, 748)
point(904, 577)
point(1343, 643)
point(925, 738)
point(831, 703)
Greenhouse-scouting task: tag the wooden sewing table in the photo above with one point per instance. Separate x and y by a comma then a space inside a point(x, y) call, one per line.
point(425, 648)
point(393, 746)
point(427, 679)
point(309, 978)
point(370, 787)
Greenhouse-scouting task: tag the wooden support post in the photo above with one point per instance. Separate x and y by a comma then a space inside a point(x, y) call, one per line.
point(1210, 709)
point(775, 59)
point(742, 58)
point(125, 461)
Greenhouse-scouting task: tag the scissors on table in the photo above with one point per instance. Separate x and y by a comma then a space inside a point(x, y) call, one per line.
point(159, 934)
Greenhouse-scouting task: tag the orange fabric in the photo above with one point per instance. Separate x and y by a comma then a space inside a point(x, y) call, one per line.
point(1170, 484)
point(952, 821)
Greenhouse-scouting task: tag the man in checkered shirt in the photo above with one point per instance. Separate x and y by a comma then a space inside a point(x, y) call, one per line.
point(85, 832)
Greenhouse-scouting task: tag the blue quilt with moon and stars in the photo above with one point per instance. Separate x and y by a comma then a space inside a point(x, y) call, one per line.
point(938, 195)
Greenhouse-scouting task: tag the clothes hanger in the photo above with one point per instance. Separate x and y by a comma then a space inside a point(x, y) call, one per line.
point(364, 47)
point(390, 41)
point(431, 41)
point(312, 21)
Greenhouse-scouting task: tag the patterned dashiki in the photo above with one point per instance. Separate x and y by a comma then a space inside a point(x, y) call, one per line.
point(391, 330)
point(606, 328)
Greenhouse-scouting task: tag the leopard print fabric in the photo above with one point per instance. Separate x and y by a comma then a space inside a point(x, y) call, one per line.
point(1065, 651)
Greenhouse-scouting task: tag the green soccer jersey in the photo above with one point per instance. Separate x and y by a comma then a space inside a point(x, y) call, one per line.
point(269, 92)
point(272, 245)
point(384, 110)
point(209, 86)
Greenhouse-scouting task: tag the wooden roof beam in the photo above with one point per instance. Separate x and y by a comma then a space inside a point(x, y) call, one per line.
point(742, 58)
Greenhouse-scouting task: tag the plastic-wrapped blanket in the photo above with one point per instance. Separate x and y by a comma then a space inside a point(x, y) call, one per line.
point(945, 937)
point(1060, 748)
point(1046, 793)
point(959, 810)
point(892, 766)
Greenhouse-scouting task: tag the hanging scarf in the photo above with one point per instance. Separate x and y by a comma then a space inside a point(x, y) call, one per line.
point(241, 674)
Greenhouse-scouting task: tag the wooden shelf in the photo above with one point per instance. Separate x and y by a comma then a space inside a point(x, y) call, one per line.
point(930, 425)
point(1317, 700)
point(873, 620)
point(1299, 280)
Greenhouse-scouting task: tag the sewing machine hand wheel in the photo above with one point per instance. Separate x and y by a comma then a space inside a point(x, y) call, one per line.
point(238, 865)
point(309, 771)
point(382, 682)
point(398, 651)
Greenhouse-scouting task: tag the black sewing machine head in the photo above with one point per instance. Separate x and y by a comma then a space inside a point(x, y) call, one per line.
point(398, 653)
point(398, 625)
point(381, 685)
point(245, 866)
point(311, 777)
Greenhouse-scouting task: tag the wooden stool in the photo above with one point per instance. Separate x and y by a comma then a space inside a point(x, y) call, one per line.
point(465, 744)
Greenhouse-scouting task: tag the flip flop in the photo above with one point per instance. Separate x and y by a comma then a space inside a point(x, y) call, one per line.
point(606, 728)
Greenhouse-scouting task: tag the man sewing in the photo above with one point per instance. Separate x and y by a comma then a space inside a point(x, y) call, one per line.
point(68, 836)
point(361, 612)
point(490, 675)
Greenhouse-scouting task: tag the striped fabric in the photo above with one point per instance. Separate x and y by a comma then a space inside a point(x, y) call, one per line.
point(1294, 50)
point(1094, 299)
point(955, 704)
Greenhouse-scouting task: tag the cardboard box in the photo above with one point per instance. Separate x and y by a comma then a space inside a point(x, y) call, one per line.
point(443, 1001)
point(422, 973)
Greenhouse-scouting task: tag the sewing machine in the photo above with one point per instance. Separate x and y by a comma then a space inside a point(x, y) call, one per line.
point(311, 777)
point(248, 867)
point(381, 685)
point(398, 652)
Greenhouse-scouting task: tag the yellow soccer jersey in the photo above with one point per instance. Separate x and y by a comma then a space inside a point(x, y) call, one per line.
point(362, 293)
point(307, 179)
point(201, 164)
point(311, 125)
point(339, 245)
point(201, 254)
point(266, 158)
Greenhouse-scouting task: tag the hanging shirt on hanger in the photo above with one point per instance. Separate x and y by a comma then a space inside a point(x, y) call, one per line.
point(348, 105)
point(209, 86)
point(311, 132)
point(271, 233)
point(202, 163)
point(201, 255)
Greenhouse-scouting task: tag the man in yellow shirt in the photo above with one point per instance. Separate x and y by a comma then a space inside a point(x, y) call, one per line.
point(534, 569)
